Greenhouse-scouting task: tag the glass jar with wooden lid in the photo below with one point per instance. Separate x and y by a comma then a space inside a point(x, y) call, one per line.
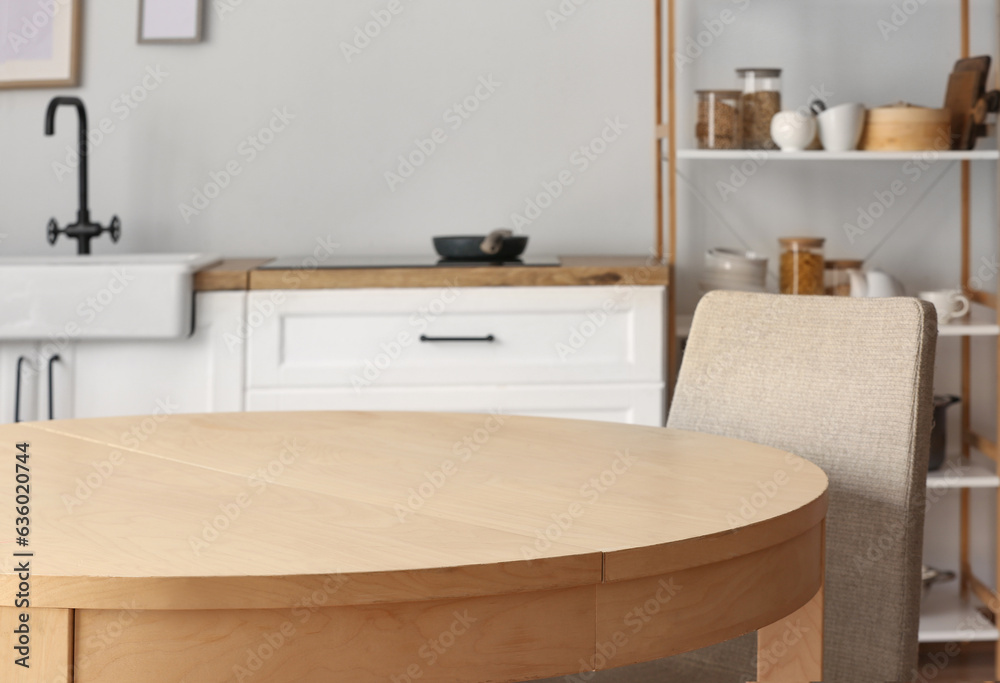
point(760, 101)
point(802, 265)
point(719, 123)
point(838, 276)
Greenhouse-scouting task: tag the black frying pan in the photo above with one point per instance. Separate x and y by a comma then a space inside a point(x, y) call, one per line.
point(470, 247)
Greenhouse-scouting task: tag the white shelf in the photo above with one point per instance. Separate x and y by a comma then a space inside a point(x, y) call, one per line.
point(945, 618)
point(821, 155)
point(981, 322)
point(956, 476)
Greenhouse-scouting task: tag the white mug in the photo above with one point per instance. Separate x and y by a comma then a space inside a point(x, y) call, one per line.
point(950, 304)
point(793, 131)
point(840, 127)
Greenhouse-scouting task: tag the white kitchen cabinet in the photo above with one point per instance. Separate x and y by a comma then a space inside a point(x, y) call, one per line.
point(203, 373)
point(587, 352)
point(474, 336)
point(575, 352)
point(627, 403)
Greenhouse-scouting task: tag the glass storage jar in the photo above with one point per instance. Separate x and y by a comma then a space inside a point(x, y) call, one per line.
point(718, 125)
point(760, 101)
point(802, 265)
point(838, 276)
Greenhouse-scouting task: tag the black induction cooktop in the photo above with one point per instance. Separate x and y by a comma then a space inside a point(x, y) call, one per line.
point(357, 262)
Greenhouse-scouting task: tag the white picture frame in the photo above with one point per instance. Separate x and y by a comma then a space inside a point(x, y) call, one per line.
point(171, 21)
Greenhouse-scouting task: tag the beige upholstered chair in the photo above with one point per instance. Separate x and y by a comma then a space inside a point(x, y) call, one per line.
point(847, 384)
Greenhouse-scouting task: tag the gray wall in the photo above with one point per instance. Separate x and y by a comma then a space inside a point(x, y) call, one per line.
point(324, 175)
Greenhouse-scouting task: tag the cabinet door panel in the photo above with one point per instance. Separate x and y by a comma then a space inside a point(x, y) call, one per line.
point(200, 374)
point(628, 403)
point(474, 336)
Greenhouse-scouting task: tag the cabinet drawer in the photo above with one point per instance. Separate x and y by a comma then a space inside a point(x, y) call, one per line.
point(432, 337)
point(628, 403)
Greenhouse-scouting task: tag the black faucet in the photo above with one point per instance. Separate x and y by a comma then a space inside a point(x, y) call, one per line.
point(83, 230)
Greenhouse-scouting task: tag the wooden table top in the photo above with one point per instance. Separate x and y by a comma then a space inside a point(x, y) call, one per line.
point(574, 271)
point(249, 510)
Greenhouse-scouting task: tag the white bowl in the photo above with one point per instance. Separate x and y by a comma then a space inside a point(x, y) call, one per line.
point(732, 269)
point(708, 285)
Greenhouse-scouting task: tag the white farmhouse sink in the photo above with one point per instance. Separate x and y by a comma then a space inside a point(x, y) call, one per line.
point(126, 296)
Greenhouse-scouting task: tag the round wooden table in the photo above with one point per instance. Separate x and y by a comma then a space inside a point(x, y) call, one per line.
point(401, 547)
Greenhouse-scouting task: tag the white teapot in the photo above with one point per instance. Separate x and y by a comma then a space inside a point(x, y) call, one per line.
point(875, 283)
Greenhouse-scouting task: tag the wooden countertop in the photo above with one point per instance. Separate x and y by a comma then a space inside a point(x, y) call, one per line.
point(227, 275)
point(242, 274)
point(251, 510)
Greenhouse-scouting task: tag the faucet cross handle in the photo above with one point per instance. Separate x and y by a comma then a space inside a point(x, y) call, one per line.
point(53, 230)
point(84, 231)
point(114, 229)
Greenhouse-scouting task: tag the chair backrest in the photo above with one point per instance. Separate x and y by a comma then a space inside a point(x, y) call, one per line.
point(847, 384)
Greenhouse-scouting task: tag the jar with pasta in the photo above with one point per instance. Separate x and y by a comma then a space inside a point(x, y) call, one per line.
point(718, 125)
point(838, 276)
point(760, 101)
point(802, 265)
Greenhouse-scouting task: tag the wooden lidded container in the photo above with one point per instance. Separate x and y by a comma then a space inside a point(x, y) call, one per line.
point(904, 127)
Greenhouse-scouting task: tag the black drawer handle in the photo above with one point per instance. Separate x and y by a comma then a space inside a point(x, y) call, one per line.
point(488, 338)
point(54, 359)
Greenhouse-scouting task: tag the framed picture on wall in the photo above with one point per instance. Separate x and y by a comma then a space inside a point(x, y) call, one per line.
point(40, 46)
point(170, 21)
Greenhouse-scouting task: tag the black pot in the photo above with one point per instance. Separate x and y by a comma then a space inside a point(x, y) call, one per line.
point(939, 432)
point(468, 248)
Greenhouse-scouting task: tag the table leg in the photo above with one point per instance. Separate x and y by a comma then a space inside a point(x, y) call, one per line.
point(792, 649)
point(50, 645)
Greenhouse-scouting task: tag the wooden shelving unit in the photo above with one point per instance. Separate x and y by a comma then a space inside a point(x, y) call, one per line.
point(950, 613)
